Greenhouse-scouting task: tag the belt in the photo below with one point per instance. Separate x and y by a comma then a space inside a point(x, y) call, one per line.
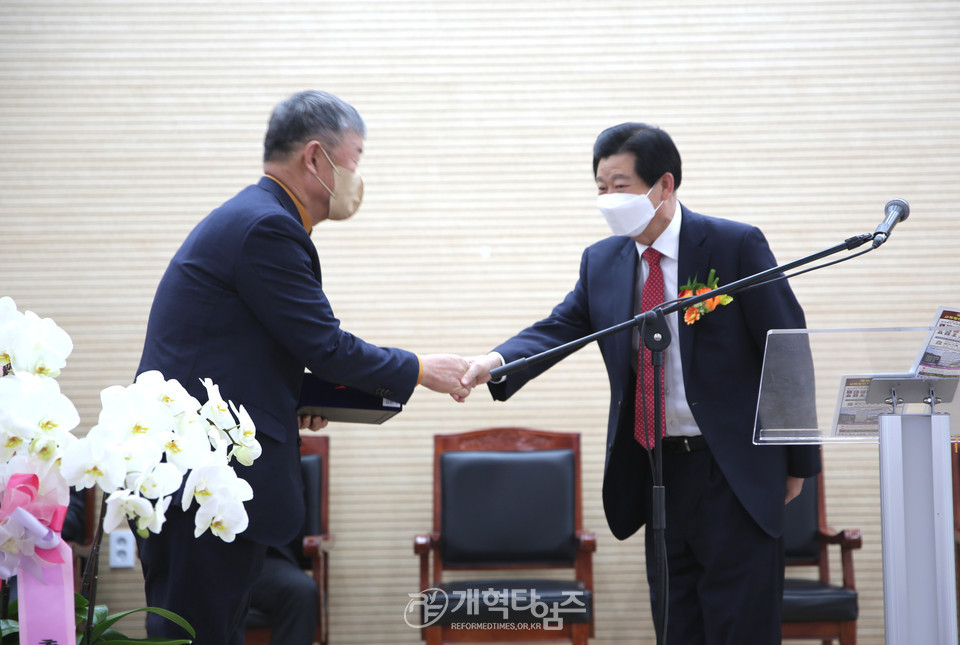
point(679, 445)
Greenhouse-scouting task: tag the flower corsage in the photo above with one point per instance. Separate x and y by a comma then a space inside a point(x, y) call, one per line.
point(694, 288)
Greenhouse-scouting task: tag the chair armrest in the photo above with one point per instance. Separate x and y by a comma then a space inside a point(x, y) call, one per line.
point(587, 540)
point(316, 545)
point(847, 538)
point(422, 544)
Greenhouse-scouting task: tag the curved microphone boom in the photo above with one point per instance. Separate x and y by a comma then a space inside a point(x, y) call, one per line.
point(896, 211)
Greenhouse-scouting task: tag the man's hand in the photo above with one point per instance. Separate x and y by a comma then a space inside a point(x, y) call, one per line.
point(794, 486)
point(480, 366)
point(308, 422)
point(443, 373)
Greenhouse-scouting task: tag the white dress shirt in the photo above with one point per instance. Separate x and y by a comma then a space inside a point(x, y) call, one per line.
point(679, 418)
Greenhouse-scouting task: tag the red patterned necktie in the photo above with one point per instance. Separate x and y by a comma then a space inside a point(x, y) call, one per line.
point(652, 296)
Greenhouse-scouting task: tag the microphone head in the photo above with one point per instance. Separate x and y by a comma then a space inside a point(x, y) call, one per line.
point(897, 204)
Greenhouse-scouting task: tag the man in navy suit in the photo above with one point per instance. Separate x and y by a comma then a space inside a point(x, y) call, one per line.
point(242, 303)
point(724, 495)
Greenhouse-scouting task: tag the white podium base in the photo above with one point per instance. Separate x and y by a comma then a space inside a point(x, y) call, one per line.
point(916, 507)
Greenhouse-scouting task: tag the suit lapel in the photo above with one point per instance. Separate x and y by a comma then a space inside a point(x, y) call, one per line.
point(694, 262)
point(621, 277)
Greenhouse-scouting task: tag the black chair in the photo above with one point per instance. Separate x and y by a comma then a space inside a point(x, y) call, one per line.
point(317, 542)
point(813, 607)
point(505, 499)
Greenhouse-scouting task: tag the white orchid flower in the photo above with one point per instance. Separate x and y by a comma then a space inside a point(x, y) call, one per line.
point(215, 409)
point(97, 460)
point(134, 411)
point(122, 505)
point(15, 427)
point(204, 482)
point(14, 540)
point(188, 445)
point(224, 517)
point(154, 522)
point(46, 447)
point(246, 454)
point(161, 480)
point(170, 393)
point(31, 407)
point(39, 347)
point(11, 323)
point(142, 454)
point(149, 435)
point(246, 449)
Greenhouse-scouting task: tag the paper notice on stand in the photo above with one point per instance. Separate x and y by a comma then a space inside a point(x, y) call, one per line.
point(853, 415)
point(940, 355)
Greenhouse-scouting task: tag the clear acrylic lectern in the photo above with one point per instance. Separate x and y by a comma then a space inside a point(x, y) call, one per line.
point(856, 386)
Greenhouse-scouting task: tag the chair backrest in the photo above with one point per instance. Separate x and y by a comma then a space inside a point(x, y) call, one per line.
point(507, 497)
point(803, 517)
point(311, 467)
point(315, 469)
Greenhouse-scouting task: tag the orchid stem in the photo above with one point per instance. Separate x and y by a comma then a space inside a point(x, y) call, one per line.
point(90, 574)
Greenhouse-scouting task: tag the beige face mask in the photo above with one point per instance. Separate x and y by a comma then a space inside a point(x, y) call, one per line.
point(349, 191)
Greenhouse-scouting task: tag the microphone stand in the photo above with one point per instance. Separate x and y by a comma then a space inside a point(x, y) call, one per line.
point(656, 337)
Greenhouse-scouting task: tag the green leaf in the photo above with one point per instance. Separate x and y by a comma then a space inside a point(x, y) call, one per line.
point(102, 626)
point(116, 638)
point(692, 285)
point(9, 626)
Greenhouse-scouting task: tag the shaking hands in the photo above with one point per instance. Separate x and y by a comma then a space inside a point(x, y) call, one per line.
point(444, 373)
point(455, 375)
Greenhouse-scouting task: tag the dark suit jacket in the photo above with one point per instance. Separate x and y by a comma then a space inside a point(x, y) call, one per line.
point(242, 303)
point(721, 356)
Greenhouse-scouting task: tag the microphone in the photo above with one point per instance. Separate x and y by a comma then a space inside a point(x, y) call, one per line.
point(896, 211)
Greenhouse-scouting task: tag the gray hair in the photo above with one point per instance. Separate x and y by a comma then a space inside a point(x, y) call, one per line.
point(311, 114)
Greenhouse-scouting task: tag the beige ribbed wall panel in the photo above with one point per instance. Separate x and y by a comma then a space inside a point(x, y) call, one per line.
point(123, 123)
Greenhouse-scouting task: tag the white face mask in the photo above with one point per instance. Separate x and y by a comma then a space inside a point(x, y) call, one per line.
point(349, 186)
point(626, 213)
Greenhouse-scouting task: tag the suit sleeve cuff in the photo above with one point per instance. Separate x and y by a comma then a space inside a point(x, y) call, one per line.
point(502, 363)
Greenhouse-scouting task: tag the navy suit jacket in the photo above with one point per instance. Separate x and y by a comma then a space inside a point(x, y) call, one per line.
point(242, 303)
point(721, 356)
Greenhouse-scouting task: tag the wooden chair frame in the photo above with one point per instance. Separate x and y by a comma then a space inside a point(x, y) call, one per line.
point(504, 439)
point(848, 540)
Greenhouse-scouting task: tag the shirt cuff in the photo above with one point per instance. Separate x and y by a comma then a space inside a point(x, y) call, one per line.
point(502, 363)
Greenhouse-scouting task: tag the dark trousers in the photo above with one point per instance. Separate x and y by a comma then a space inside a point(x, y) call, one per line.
point(725, 573)
point(205, 580)
point(290, 598)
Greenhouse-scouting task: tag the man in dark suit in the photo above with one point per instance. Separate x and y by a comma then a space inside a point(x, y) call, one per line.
point(724, 495)
point(242, 303)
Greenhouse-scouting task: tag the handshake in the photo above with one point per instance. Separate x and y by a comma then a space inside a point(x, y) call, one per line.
point(455, 375)
point(444, 373)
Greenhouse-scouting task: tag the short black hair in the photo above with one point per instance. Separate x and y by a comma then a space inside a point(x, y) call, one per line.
point(311, 114)
point(654, 149)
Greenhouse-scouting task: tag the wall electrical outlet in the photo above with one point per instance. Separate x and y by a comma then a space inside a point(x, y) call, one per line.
point(123, 550)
